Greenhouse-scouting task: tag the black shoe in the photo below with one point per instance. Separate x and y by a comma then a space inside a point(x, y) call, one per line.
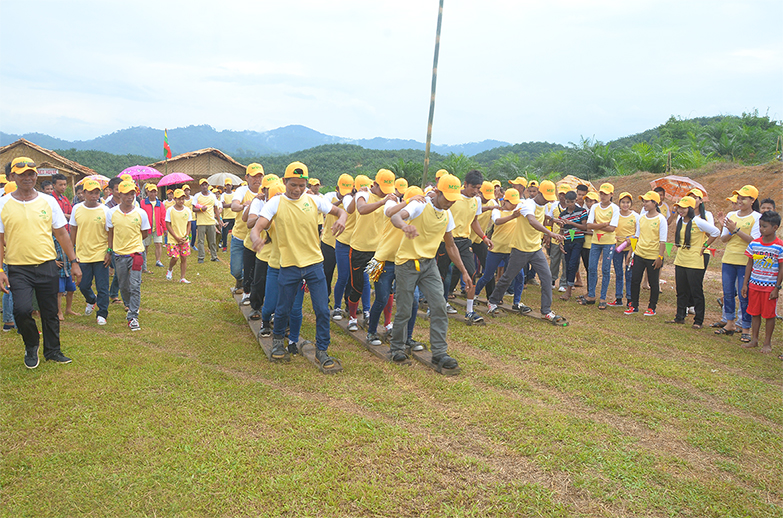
point(201, 261)
point(445, 362)
point(266, 331)
point(399, 357)
point(215, 260)
point(31, 360)
point(59, 358)
point(293, 349)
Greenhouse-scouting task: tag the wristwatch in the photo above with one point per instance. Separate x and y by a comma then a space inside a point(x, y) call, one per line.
point(76, 260)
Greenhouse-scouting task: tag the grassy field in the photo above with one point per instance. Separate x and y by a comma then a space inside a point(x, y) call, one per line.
point(612, 416)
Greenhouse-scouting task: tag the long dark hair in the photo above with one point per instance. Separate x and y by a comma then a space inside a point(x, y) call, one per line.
point(702, 211)
point(688, 229)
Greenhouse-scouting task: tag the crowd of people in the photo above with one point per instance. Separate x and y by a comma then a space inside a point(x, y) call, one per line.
point(411, 246)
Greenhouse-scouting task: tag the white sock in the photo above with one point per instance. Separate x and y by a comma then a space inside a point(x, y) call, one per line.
point(470, 306)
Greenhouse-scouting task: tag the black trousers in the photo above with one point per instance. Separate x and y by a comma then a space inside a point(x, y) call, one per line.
point(224, 232)
point(466, 254)
point(258, 288)
point(359, 262)
point(330, 261)
point(689, 287)
point(691, 302)
point(640, 265)
point(480, 250)
point(42, 280)
point(249, 268)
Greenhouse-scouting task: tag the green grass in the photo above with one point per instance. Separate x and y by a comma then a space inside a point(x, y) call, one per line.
point(612, 416)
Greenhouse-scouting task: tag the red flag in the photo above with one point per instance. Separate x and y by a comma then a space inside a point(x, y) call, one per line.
point(166, 148)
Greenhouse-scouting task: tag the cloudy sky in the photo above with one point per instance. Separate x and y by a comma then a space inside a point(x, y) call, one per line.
point(515, 71)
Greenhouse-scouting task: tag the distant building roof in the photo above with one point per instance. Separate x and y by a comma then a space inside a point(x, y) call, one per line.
point(203, 162)
point(44, 158)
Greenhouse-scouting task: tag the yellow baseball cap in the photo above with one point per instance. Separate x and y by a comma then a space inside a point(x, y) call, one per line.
point(413, 190)
point(696, 193)
point(624, 194)
point(488, 190)
point(649, 195)
point(186, 186)
point(593, 196)
point(440, 172)
point(179, 193)
point(548, 189)
point(296, 170)
point(385, 179)
point(21, 164)
point(275, 189)
point(9, 187)
point(512, 195)
point(532, 183)
point(313, 181)
point(3, 179)
point(362, 181)
point(449, 185)
point(90, 185)
point(496, 183)
point(519, 180)
point(345, 184)
point(685, 202)
point(748, 190)
point(606, 188)
point(563, 187)
point(228, 182)
point(401, 184)
point(150, 187)
point(203, 181)
point(254, 169)
point(732, 198)
point(269, 180)
point(126, 186)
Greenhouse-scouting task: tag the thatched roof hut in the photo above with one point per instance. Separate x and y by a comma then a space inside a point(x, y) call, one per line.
point(48, 162)
point(201, 164)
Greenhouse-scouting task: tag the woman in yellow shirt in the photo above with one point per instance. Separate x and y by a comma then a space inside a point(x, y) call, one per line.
point(651, 232)
point(626, 227)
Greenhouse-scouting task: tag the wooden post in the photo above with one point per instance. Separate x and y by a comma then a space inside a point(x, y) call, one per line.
point(432, 98)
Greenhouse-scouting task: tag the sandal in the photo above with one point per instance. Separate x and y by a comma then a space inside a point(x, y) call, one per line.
point(745, 338)
point(718, 324)
point(723, 331)
point(326, 361)
point(696, 326)
point(552, 318)
point(583, 301)
point(675, 321)
point(601, 305)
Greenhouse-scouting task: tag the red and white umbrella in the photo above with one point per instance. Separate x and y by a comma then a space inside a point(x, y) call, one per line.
point(678, 186)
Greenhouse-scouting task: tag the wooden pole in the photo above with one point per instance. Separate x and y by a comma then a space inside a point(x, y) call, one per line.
point(432, 98)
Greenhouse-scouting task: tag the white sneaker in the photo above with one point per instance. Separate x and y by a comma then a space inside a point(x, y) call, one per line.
point(450, 310)
point(692, 310)
point(185, 281)
point(168, 275)
point(353, 325)
point(561, 289)
point(133, 324)
point(245, 299)
point(390, 326)
point(337, 314)
point(101, 321)
point(88, 309)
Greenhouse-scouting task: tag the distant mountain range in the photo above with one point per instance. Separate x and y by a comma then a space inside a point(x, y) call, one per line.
point(146, 141)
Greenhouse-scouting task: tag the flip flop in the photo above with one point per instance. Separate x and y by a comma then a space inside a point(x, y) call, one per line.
point(745, 338)
point(696, 326)
point(601, 305)
point(585, 302)
point(718, 324)
point(727, 332)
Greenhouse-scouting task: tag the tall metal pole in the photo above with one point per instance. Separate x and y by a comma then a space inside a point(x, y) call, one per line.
point(432, 98)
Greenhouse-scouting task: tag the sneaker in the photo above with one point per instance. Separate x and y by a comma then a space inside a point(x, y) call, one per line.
point(266, 331)
point(521, 308)
point(561, 289)
point(169, 275)
point(245, 299)
point(201, 261)
point(293, 349)
point(692, 310)
point(279, 350)
point(59, 358)
point(374, 339)
point(366, 315)
point(88, 309)
point(615, 303)
point(414, 345)
point(133, 324)
point(492, 309)
point(399, 357)
point(185, 281)
point(631, 310)
point(473, 318)
point(215, 260)
point(224, 248)
point(7, 326)
point(649, 313)
point(31, 360)
point(353, 325)
point(450, 310)
point(159, 264)
point(326, 361)
point(101, 321)
point(337, 314)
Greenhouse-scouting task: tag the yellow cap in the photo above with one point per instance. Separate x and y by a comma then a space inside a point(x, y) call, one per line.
point(126, 186)
point(313, 181)
point(3, 179)
point(186, 186)
point(748, 190)
point(90, 185)
point(203, 181)
point(606, 188)
point(440, 173)
point(519, 180)
point(592, 196)
point(228, 181)
point(624, 194)
point(496, 183)
point(732, 198)
point(401, 184)
point(385, 179)
point(179, 193)
point(563, 187)
point(9, 187)
point(296, 170)
point(275, 189)
point(21, 164)
point(685, 202)
point(413, 190)
point(126, 177)
point(547, 188)
point(362, 181)
point(532, 183)
point(150, 187)
point(254, 169)
point(345, 184)
point(512, 195)
point(650, 195)
point(449, 185)
point(696, 193)
point(268, 180)
point(170, 191)
point(488, 190)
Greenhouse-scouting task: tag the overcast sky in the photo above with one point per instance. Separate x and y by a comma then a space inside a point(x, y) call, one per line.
point(515, 71)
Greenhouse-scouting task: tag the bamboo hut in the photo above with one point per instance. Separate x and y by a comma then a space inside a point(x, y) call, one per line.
point(201, 164)
point(49, 163)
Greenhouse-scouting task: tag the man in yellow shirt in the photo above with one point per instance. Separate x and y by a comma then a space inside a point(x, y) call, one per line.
point(205, 208)
point(228, 215)
point(243, 259)
point(296, 215)
point(27, 221)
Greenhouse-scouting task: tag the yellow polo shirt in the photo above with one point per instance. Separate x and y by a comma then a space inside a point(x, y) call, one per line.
point(179, 222)
point(28, 228)
point(208, 216)
point(127, 230)
point(92, 234)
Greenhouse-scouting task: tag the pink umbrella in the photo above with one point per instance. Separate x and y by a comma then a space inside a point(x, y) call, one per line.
point(174, 178)
point(141, 172)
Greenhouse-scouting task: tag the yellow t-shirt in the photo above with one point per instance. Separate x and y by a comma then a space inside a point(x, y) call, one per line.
point(651, 232)
point(604, 215)
point(735, 247)
point(626, 227)
point(503, 234)
point(391, 238)
point(464, 211)
point(326, 233)
point(92, 235)
point(127, 230)
point(485, 220)
point(179, 222)
point(526, 238)
point(369, 227)
point(691, 257)
point(297, 220)
point(270, 249)
point(167, 204)
point(431, 224)
point(227, 213)
point(208, 216)
point(28, 229)
point(350, 223)
point(240, 227)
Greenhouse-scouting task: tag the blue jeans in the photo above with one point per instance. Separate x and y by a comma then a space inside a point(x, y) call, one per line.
point(114, 289)
point(193, 228)
point(270, 304)
point(494, 260)
point(342, 255)
point(288, 281)
point(101, 274)
point(8, 305)
point(573, 253)
point(733, 278)
point(621, 273)
point(235, 258)
point(383, 290)
point(595, 256)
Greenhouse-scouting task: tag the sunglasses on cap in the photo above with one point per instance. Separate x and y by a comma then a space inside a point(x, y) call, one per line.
point(21, 165)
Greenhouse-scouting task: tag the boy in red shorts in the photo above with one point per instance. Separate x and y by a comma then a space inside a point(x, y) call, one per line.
point(178, 220)
point(763, 278)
